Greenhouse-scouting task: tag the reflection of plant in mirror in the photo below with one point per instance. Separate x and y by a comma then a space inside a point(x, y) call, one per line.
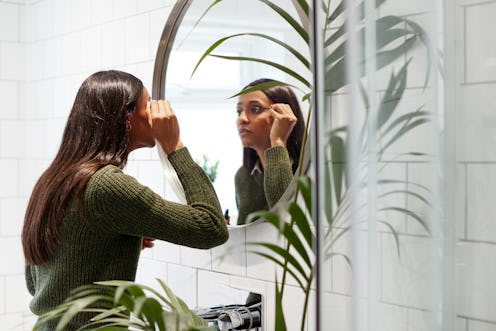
point(150, 312)
point(394, 38)
point(209, 168)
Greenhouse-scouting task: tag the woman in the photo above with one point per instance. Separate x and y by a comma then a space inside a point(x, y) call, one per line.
point(86, 219)
point(271, 126)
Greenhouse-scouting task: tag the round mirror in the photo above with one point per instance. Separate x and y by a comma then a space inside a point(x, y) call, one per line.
point(203, 100)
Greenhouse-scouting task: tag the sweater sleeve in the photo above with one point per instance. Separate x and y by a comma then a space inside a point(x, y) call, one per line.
point(277, 174)
point(120, 204)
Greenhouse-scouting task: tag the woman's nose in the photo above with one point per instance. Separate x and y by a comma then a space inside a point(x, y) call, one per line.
point(242, 118)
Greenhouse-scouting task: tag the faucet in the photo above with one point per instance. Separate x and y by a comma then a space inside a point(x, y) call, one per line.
point(234, 317)
point(241, 318)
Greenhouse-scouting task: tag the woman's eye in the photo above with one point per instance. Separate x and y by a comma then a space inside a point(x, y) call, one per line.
point(256, 109)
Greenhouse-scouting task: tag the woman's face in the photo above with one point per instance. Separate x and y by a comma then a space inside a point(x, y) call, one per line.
point(254, 120)
point(141, 133)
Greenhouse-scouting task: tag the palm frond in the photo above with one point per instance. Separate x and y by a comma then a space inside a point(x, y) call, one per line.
point(288, 18)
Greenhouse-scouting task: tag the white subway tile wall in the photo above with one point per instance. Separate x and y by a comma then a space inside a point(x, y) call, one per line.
point(476, 271)
point(477, 124)
point(166, 252)
point(481, 209)
point(12, 216)
point(12, 259)
point(8, 94)
point(2, 296)
point(230, 258)
point(392, 317)
point(407, 280)
point(16, 293)
point(479, 326)
point(9, 16)
point(192, 257)
point(258, 267)
point(184, 282)
point(149, 270)
point(480, 47)
point(9, 177)
point(12, 130)
point(12, 57)
point(47, 48)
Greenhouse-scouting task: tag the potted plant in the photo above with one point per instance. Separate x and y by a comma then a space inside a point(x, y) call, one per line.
point(149, 309)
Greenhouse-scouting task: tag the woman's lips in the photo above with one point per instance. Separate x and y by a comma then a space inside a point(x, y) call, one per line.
point(244, 132)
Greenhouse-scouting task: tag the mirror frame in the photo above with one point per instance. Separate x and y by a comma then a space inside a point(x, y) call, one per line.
point(165, 47)
point(164, 50)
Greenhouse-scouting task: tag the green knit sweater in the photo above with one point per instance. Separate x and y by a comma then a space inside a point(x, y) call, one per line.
point(104, 243)
point(261, 191)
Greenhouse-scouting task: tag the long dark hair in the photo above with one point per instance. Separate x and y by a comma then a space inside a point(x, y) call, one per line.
point(96, 134)
point(279, 94)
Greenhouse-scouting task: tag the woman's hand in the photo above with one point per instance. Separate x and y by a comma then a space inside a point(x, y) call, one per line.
point(147, 243)
point(165, 127)
point(283, 124)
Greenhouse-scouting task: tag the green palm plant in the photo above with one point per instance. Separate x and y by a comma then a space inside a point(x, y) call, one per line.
point(150, 310)
point(395, 37)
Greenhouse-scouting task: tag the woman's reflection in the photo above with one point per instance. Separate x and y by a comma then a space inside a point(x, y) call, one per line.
point(270, 126)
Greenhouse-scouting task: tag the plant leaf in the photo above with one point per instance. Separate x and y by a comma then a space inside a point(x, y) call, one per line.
point(75, 308)
point(276, 65)
point(270, 217)
point(205, 12)
point(304, 6)
point(405, 130)
point(344, 256)
point(424, 37)
point(288, 18)
point(280, 323)
point(302, 222)
point(285, 255)
point(280, 263)
point(259, 87)
point(392, 96)
point(407, 192)
point(110, 312)
point(328, 206)
point(408, 213)
point(305, 186)
point(288, 47)
point(342, 29)
point(293, 239)
point(406, 118)
point(396, 239)
point(117, 283)
point(338, 159)
point(151, 310)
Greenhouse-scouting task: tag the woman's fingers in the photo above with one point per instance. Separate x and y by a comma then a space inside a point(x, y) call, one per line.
point(162, 108)
point(283, 124)
point(282, 111)
point(165, 126)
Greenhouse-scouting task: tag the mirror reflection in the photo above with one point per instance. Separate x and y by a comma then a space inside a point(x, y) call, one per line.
point(270, 125)
point(239, 141)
